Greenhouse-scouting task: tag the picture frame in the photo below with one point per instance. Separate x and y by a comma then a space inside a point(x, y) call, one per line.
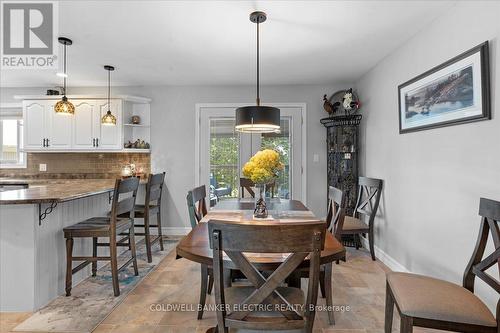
point(455, 92)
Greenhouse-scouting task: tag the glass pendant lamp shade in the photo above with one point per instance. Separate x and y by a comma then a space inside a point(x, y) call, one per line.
point(257, 118)
point(64, 106)
point(108, 119)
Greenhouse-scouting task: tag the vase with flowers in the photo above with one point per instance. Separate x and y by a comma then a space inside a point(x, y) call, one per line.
point(263, 168)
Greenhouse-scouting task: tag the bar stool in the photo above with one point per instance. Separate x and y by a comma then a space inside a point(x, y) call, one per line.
point(152, 206)
point(125, 192)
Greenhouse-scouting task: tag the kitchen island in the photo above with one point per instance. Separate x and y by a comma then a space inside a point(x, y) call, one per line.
point(32, 247)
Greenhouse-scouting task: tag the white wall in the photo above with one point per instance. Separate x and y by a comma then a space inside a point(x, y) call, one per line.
point(173, 132)
point(433, 179)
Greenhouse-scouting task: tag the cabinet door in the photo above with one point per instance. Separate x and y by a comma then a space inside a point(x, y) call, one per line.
point(84, 124)
point(111, 136)
point(58, 128)
point(34, 124)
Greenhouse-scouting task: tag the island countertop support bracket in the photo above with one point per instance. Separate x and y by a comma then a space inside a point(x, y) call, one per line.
point(47, 211)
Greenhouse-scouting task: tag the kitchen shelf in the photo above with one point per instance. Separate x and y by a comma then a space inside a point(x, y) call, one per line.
point(136, 150)
point(136, 125)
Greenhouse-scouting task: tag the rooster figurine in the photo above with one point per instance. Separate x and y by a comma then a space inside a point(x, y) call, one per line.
point(330, 108)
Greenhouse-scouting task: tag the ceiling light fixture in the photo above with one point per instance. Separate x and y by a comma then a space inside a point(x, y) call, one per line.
point(108, 119)
point(64, 106)
point(258, 119)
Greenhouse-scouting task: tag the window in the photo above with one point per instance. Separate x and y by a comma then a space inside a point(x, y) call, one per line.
point(11, 143)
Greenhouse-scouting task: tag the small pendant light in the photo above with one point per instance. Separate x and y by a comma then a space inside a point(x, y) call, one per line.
point(108, 119)
point(64, 106)
point(258, 119)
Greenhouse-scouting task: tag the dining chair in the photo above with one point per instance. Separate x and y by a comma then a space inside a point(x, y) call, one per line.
point(334, 222)
point(369, 192)
point(267, 304)
point(247, 185)
point(427, 302)
point(197, 208)
point(125, 192)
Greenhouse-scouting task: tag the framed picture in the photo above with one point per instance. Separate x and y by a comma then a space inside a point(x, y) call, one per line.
point(455, 92)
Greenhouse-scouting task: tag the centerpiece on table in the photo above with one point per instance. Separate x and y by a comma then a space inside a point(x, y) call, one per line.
point(263, 168)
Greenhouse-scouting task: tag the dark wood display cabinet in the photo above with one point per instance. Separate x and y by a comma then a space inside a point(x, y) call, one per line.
point(342, 156)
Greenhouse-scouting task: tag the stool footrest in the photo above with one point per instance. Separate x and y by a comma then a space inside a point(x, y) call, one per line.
point(90, 259)
point(126, 264)
point(80, 266)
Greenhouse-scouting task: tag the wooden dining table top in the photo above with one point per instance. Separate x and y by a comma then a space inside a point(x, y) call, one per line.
point(195, 245)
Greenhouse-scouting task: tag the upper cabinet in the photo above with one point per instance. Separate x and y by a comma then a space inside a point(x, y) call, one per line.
point(111, 136)
point(45, 130)
point(86, 127)
point(34, 118)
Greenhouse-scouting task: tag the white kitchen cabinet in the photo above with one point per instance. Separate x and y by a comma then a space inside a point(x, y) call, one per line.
point(111, 136)
point(45, 130)
point(34, 114)
point(86, 128)
point(58, 128)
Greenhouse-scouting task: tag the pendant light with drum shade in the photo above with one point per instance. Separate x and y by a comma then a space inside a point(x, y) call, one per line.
point(64, 106)
point(108, 119)
point(258, 118)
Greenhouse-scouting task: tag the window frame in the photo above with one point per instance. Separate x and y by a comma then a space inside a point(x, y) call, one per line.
point(20, 148)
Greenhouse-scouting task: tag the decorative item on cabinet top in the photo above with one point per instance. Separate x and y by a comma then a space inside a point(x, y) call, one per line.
point(83, 132)
point(342, 100)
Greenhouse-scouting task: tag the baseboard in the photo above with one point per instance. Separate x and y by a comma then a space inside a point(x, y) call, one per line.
point(175, 231)
point(385, 258)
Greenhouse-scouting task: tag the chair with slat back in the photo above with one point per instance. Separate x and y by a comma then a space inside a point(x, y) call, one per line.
point(427, 302)
point(336, 212)
point(247, 185)
point(334, 222)
point(125, 192)
point(369, 192)
point(197, 208)
point(276, 307)
point(151, 207)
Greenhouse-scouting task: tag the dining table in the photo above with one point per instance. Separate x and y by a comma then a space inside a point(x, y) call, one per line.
point(195, 245)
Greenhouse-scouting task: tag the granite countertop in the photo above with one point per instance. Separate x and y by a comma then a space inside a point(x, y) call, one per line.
point(53, 190)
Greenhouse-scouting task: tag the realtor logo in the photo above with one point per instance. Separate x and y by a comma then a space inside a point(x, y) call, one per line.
point(29, 35)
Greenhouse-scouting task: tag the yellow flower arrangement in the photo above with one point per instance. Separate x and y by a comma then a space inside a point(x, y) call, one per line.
point(263, 167)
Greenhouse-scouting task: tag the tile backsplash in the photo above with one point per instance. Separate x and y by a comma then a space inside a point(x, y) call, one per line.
point(79, 165)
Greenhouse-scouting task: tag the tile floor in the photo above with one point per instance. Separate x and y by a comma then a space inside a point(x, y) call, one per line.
point(359, 284)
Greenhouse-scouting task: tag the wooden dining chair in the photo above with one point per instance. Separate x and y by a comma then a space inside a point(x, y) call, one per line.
point(247, 185)
point(369, 192)
point(124, 196)
point(151, 207)
point(197, 208)
point(334, 222)
point(427, 302)
point(267, 304)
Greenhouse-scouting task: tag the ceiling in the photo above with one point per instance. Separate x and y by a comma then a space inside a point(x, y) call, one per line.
point(213, 42)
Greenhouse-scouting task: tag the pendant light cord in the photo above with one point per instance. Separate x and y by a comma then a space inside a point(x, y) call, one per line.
point(109, 90)
point(64, 69)
point(258, 95)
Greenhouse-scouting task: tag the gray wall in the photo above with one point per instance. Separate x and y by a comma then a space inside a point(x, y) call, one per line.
point(173, 131)
point(433, 179)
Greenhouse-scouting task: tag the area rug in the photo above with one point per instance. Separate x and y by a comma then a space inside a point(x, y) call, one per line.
point(92, 299)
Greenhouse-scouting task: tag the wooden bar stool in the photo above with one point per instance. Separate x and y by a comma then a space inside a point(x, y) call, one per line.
point(152, 206)
point(125, 192)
